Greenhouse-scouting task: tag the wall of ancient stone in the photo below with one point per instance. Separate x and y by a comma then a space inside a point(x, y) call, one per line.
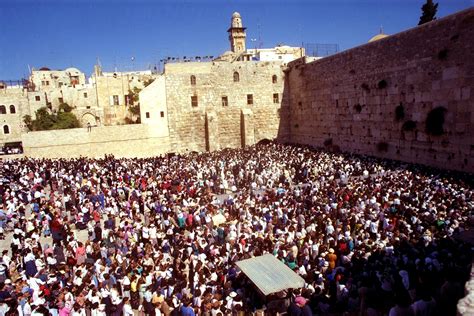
point(123, 141)
point(193, 127)
point(25, 103)
point(349, 100)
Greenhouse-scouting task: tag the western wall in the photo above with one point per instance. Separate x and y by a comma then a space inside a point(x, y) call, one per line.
point(349, 101)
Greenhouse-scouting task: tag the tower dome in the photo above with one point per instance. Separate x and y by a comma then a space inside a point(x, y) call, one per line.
point(236, 20)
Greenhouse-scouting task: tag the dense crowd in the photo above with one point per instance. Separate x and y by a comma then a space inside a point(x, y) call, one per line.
point(140, 236)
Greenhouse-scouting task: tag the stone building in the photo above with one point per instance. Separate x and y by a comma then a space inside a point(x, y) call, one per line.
point(214, 105)
point(233, 101)
point(102, 100)
point(16, 102)
point(113, 93)
point(46, 79)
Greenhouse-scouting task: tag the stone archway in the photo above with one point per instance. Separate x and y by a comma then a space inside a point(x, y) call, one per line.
point(88, 118)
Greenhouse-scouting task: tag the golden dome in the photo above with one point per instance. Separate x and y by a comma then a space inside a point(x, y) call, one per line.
point(378, 37)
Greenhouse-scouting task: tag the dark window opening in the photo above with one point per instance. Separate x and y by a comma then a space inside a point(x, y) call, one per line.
point(162, 114)
point(249, 99)
point(194, 101)
point(276, 98)
point(12, 109)
point(225, 101)
point(3, 109)
point(147, 114)
point(85, 94)
point(37, 98)
point(193, 80)
point(274, 79)
point(6, 129)
point(236, 77)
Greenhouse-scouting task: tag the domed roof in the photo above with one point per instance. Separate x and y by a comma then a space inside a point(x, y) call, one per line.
point(236, 15)
point(72, 70)
point(378, 37)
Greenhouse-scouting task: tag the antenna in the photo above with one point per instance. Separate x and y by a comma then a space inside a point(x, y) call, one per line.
point(260, 42)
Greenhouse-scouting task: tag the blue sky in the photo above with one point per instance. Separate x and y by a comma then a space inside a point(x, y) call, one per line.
point(61, 34)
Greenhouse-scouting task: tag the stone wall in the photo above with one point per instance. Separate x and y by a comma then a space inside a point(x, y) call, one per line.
point(24, 103)
point(123, 141)
point(193, 127)
point(350, 98)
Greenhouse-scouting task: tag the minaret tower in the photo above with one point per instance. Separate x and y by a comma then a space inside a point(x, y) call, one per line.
point(237, 34)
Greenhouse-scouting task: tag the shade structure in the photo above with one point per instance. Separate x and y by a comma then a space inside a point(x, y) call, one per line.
point(269, 274)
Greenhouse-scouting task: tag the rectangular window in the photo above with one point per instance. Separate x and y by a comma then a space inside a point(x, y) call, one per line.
point(128, 99)
point(37, 98)
point(162, 114)
point(249, 99)
point(85, 94)
point(147, 114)
point(116, 99)
point(88, 107)
point(276, 99)
point(47, 83)
point(225, 101)
point(194, 101)
point(60, 100)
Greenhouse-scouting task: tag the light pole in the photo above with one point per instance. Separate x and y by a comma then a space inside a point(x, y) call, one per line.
point(254, 40)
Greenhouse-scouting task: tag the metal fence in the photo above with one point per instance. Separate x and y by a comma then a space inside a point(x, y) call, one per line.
point(320, 50)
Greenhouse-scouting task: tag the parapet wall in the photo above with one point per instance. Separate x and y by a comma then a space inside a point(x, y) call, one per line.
point(128, 141)
point(349, 99)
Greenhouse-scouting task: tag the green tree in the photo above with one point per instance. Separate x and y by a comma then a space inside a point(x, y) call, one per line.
point(148, 82)
point(429, 10)
point(28, 122)
point(49, 121)
point(64, 107)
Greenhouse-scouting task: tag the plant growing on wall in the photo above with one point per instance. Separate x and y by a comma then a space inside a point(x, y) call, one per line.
point(409, 126)
point(358, 108)
point(399, 112)
point(434, 124)
point(443, 54)
point(327, 142)
point(382, 84)
point(382, 146)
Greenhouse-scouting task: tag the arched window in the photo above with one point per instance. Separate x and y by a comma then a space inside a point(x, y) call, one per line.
point(274, 79)
point(193, 80)
point(6, 129)
point(12, 109)
point(3, 109)
point(236, 77)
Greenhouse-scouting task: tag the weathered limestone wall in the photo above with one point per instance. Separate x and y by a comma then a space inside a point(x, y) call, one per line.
point(340, 98)
point(214, 80)
point(122, 141)
point(153, 111)
point(24, 103)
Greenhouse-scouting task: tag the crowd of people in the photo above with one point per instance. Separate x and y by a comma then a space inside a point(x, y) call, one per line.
point(140, 236)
